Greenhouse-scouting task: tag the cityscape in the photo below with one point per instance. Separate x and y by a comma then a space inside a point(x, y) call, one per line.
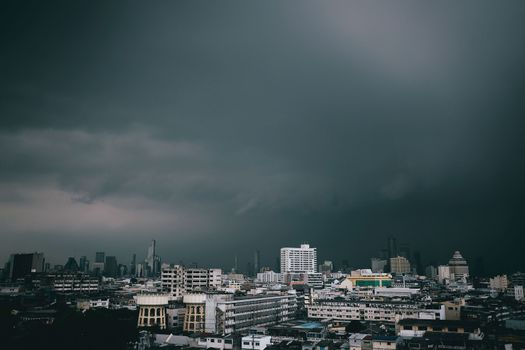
point(262, 175)
point(392, 303)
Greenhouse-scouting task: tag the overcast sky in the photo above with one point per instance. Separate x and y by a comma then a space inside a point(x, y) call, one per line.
point(219, 128)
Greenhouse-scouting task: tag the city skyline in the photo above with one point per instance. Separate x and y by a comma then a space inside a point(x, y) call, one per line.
point(225, 130)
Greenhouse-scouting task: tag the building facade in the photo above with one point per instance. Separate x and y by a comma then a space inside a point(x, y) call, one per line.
point(178, 280)
point(373, 310)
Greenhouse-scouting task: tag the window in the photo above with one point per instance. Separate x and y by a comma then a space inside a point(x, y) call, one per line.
point(245, 343)
point(212, 340)
point(407, 328)
point(452, 329)
point(257, 343)
point(421, 328)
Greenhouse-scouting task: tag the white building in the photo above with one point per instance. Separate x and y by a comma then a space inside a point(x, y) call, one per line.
point(75, 283)
point(443, 274)
point(178, 280)
point(299, 260)
point(269, 277)
point(256, 342)
point(224, 314)
point(368, 310)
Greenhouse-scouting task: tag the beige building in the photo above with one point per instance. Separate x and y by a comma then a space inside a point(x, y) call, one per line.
point(499, 283)
point(399, 265)
point(152, 310)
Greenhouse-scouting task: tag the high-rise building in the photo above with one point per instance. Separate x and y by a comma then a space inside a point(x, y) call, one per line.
point(391, 247)
point(458, 266)
point(151, 256)
point(256, 262)
point(399, 265)
point(100, 257)
point(431, 272)
point(24, 264)
point(299, 260)
point(111, 267)
point(71, 265)
point(443, 273)
point(133, 265)
point(83, 264)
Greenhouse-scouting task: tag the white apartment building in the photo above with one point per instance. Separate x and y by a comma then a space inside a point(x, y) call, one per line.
point(374, 310)
point(73, 283)
point(178, 280)
point(299, 260)
point(224, 314)
point(269, 277)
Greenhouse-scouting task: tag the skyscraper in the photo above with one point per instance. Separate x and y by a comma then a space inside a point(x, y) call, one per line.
point(256, 262)
point(100, 257)
point(84, 264)
point(24, 264)
point(133, 265)
point(458, 266)
point(111, 267)
point(391, 247)
point(71, 265)
point(150, 260)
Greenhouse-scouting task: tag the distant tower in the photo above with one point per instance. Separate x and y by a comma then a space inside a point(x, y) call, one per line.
point(133, 266)
point(150, 260)
point(391, 247)
point(256, 262)
point(236, 265)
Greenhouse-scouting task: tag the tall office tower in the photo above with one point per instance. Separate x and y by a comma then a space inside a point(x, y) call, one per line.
point(133, 265)
point(24, 264)
point(98, 265)
point(256, 263)
point(399, 265)
point(71, 265)
point(111, 267)
point(150, 260)
point(83, 264)
point(418, 264)
point(458, 266)
point(100, 257)
point(299, 260)
point(391, 247)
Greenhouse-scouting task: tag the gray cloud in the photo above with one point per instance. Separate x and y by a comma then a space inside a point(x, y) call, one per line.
point(247, 125)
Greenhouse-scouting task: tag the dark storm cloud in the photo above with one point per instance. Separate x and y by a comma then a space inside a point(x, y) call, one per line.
point(263, 124)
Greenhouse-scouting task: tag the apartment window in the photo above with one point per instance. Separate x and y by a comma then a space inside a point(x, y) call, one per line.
point(212, 340)
point(245, 343)
point(257, 344)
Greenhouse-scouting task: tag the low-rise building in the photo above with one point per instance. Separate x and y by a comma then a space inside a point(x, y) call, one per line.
point(381, 311)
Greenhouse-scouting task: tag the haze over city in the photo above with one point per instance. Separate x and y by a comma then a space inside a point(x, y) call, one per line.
point(223, 128)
